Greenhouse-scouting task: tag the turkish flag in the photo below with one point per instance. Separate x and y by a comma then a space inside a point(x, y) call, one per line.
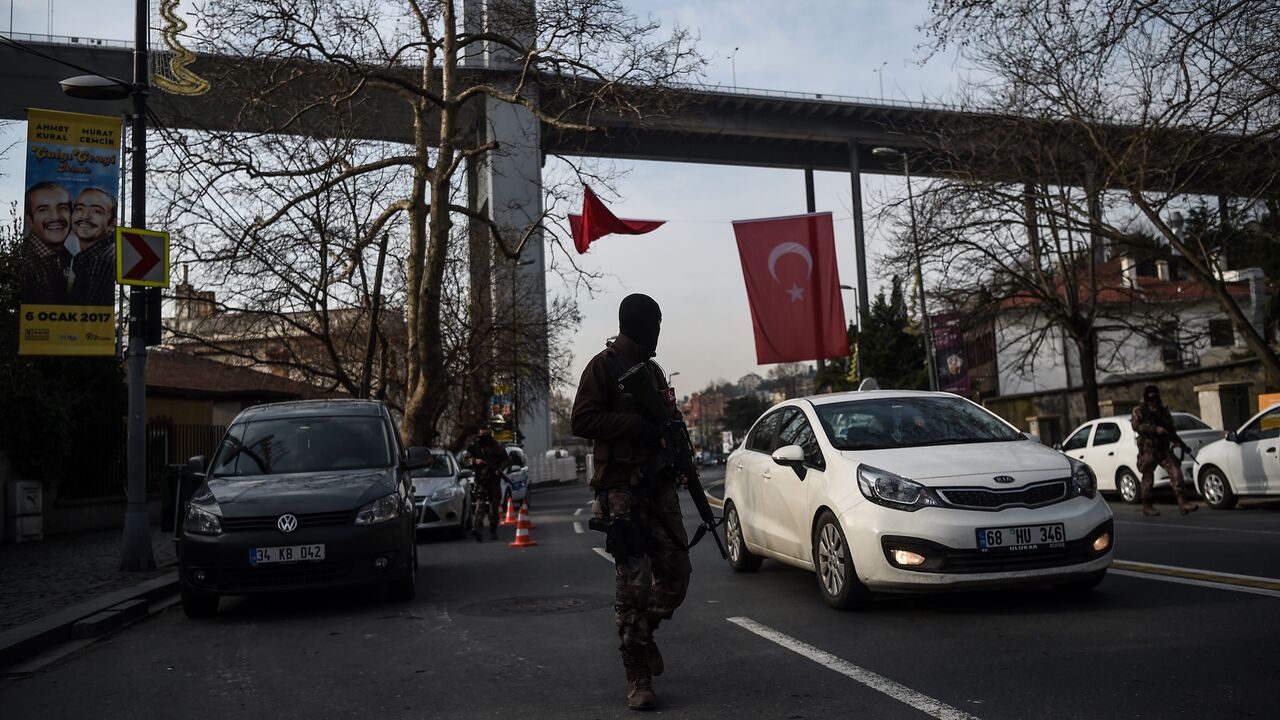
point(596, 221)
point(793, 287)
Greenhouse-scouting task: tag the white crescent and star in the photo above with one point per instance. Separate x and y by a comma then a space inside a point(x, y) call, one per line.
point(791, 248)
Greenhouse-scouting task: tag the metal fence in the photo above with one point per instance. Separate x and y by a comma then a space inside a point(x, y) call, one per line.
point(99, 468)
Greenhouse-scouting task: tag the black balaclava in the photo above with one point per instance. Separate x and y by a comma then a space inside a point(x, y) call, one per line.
point(1151, 394)
point(640, 319)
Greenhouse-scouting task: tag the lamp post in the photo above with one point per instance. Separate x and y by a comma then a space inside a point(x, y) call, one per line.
point(136, 552)
point(880, 74)
point(891, 154)
point(733, 66)
point(515, 354)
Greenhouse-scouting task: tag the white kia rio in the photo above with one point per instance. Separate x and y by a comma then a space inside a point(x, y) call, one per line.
point(910, 491)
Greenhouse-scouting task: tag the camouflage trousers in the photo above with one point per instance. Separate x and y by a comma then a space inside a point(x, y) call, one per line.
point(1148, 462)
point(649, 586)
point(488, 495)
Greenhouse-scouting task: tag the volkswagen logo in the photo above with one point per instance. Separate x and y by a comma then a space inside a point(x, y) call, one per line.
point(1002, 479)
point(287, 523)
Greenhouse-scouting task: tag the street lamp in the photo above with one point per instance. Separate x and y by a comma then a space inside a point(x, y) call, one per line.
point(733, 66)
point(890, 154)
point(515, 354)
point(136, 553)
point(880, 74)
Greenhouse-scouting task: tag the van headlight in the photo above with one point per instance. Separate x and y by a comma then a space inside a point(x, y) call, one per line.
point(204, 520)
point(894, 491)
point(1083, 481)
point(380, 510)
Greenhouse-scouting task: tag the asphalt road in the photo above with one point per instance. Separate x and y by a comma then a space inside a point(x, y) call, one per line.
point(504, 633)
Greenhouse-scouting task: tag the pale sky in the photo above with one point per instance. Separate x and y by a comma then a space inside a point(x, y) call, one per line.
point(690, 266)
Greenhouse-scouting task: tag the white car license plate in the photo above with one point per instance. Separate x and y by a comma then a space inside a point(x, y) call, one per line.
point(1021, 537)
point(285, 553)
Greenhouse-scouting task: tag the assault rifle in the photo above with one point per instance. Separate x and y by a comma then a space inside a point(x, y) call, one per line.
point(676, 454)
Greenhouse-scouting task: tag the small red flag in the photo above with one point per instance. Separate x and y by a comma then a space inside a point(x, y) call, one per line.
point(596, 221)
point(793, 287)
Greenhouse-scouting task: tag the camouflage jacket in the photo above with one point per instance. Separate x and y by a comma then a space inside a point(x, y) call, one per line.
point(1145, 421)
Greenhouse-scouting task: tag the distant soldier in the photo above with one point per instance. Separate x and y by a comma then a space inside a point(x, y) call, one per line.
point(646, 534)
point(1157, 437)
point(488, 459)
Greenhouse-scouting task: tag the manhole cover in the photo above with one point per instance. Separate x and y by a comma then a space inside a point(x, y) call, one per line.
point(538, 605)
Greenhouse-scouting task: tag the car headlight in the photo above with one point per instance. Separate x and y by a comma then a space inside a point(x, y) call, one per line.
point(446, 493)
point(894, 491)
point(1083, 481)
point(380, 510)
point(201, 521)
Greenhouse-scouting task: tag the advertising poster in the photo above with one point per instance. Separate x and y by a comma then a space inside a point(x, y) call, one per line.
point(949, 354)
point(69, 230)
point(502, 410)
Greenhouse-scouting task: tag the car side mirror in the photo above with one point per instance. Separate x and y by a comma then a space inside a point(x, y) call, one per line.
point(1231, 436)
point(791, 456)
point(195, 466)
point(466, 474)
point(516, 468)
point(417, 458)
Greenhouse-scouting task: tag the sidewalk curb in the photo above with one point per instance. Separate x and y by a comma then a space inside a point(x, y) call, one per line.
point(39, 635)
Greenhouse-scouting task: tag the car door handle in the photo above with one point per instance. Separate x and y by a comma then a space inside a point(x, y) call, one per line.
point(1271, 450)
point(1111, 454)
point(739, 465)
point(766, 475)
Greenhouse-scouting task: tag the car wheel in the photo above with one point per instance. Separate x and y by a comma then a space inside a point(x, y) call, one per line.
point(740, 558)
point(197, 604)
point(1128, 487)
point(837, 580)
point(405, 588)
point(1216, 490)
point(1084, 584)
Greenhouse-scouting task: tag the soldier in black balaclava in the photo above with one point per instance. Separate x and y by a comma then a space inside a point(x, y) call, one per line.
point(652, 571)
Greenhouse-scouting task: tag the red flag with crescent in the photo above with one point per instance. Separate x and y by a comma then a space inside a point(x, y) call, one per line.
point(596, 221)
point(793, 287)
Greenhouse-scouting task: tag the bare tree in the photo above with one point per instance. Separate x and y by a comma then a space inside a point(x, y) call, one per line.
point(1153, 101)
point(337, 71)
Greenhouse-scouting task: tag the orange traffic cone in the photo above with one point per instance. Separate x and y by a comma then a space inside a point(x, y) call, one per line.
point(522, 530)
point(524, 510)
point(510, 519)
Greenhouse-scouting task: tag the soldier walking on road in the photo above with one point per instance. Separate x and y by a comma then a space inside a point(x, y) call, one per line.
point(646, 534)
point(1157, 437)
point(487, 459)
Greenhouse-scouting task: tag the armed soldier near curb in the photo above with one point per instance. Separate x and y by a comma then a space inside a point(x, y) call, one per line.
point(487, 459)
point(1157, 437)
point(641, 451)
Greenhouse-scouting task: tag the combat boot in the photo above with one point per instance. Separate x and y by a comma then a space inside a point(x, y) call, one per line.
point(639, 681)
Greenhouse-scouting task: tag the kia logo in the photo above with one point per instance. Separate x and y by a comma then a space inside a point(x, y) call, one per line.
point(1002, 479)
point(287, 523)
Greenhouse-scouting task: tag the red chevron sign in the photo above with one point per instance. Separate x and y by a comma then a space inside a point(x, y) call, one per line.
point(142, 257)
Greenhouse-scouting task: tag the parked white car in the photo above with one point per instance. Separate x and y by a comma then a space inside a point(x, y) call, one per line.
point(1244, 463)
point(1110, 447)
point(910, 491)
point(442, 494)
point(518, 487)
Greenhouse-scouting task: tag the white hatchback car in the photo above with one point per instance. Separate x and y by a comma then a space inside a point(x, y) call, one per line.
point(1246, 462)
point(1110, 447)
point(910, 491)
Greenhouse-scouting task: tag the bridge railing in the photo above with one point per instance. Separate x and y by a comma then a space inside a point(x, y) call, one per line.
point(77, 40)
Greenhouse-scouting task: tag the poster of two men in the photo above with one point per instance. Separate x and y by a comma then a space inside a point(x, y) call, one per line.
point(69, 245)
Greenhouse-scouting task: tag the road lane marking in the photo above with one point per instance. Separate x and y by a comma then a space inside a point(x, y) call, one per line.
point(1159, 525)
point(879, 683)
point(1269, 587)
point(603, 554)
point(577, 527)
point(578, 511)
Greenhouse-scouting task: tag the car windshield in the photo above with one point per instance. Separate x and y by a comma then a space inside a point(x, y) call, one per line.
point(1188, 422)
point(440, 467)
point(305, 444)
point(881, 423)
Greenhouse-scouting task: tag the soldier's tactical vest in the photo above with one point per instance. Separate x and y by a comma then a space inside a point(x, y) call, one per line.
point(618, 460)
